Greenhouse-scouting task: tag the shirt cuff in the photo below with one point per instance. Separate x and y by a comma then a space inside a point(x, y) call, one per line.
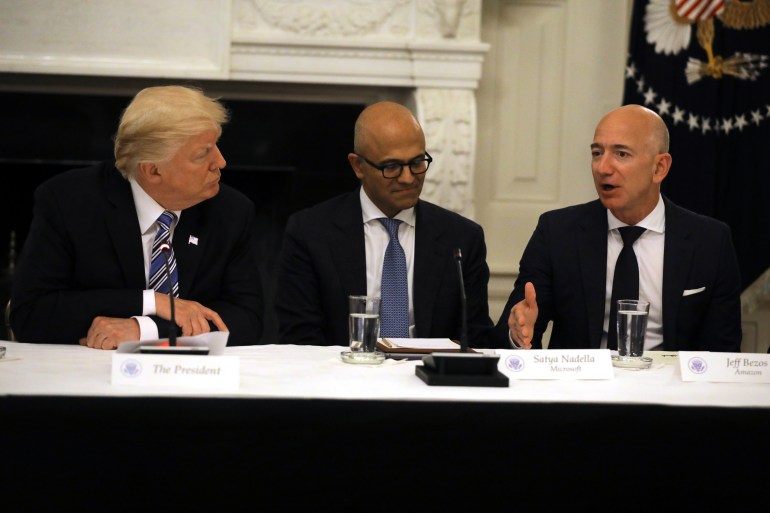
point(148, 302)
point(510, 339)
point(148, 330)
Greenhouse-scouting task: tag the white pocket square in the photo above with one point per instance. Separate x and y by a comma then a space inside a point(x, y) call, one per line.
point(690, 292)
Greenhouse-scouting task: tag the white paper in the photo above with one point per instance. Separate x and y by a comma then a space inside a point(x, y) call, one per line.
point(216, 341)
point(422, 343)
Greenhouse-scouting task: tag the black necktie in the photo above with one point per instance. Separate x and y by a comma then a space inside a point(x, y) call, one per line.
point(625, 284)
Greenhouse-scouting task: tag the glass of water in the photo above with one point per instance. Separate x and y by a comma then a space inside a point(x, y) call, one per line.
point(364, 330)
point(632, 330)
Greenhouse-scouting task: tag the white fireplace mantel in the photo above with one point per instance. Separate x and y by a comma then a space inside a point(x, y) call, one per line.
point(430, 48)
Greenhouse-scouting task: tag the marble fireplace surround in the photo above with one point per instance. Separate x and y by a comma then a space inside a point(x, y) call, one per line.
point(425, 53)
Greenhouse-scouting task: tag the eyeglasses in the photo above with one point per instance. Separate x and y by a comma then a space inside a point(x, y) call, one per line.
point(393, 169)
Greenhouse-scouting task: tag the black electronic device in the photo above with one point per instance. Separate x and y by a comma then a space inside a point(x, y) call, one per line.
point(464, 368)
point(184, 350)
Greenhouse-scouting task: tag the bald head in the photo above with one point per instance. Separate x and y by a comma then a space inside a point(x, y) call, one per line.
point(644, 120)
point(382, 122)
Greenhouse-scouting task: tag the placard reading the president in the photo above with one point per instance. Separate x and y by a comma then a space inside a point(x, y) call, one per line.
point(200, 372)
point(557, 364)
point(724, 367)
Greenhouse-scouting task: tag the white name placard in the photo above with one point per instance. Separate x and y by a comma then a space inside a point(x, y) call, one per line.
point(557, 364)
point(174, 370)
point(724, 367)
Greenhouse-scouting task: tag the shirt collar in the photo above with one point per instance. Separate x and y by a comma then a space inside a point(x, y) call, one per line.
point(147, 209)
point(371, 212)
point(655, 220)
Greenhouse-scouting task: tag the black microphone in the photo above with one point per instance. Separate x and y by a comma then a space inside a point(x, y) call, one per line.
point(165, 248)
point(458, 256)
point(172, 348)
point(464, 368)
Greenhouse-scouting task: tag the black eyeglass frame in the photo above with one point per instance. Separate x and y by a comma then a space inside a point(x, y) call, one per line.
point(427, 158)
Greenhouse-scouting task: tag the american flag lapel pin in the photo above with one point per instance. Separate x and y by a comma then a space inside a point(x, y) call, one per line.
point(193, 240)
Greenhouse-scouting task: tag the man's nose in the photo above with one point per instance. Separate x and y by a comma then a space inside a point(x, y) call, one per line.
point(220, 161)
point(406, 175)
point(602, 165)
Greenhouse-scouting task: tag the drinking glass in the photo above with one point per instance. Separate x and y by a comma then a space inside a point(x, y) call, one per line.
point(364, 330)
point(632, 329)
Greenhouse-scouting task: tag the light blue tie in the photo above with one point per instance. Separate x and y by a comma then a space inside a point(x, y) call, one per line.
point(394, 314)
point(158, 277)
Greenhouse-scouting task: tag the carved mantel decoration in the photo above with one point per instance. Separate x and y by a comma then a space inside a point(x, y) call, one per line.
point(429, 48)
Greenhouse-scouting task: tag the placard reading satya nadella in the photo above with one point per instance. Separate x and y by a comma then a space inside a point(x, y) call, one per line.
point(557, 364)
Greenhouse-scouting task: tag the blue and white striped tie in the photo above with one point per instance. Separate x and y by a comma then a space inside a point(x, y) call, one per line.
point(158, 277)
point(394, 314)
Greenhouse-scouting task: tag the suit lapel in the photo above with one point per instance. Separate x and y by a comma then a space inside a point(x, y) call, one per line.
point(121, 223)
point(677, 257)
point(428, 271)
point(592, 255)
point(347, 246)
point(191, 236)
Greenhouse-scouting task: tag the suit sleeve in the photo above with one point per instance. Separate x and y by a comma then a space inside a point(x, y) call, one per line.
point(58, 286)
point(298, 302)
point(240, 301)
point(534, 266)
point(476, 281)
point(721, 326)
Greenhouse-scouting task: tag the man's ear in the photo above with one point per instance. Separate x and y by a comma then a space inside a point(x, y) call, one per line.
point(355, 163)
point(662, 165)
point(149, 172)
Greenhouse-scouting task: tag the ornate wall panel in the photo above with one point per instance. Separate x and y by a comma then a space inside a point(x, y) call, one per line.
point(139, 38)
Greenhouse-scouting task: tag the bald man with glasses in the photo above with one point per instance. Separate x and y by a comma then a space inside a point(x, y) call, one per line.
point(337, 248)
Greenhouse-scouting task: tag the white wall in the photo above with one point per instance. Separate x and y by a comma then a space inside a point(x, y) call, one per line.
point(553, 69)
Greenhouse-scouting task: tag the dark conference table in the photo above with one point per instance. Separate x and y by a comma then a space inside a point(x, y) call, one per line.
point(307, 432)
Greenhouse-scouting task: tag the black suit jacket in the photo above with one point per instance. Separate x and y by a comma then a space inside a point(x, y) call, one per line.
point(566, 259)
point(323, 261)
point(83, 258)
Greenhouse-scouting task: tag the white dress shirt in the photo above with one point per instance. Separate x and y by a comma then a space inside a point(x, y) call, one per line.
point(148, 210)
point(649, 254)
point(376, 239)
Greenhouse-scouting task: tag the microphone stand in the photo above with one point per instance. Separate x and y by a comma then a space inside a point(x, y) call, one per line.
point(165, 249)
point(464, 321)
point(466, 368)
point(172, 347)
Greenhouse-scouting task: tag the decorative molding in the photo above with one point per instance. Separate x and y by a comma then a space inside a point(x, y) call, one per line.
point(360, 19)
point(325, 19)
point(430, 49)
point(448, 117)
point(451, 17)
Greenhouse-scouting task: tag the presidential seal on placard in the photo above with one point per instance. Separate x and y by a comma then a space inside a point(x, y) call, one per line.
point(131, 368)
point(697, 365)
point(515, 363)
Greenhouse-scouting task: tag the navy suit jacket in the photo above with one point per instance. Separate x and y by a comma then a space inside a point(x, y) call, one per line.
point(566, 259)
point(83, 258)
point(323, 260)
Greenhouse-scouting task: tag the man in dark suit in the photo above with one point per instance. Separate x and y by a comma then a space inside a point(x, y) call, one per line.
point(336, 248)
point(687, 265)
point(83, 272)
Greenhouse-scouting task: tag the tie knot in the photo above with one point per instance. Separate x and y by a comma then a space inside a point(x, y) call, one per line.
point(630, 234)
point(391, 225)
point(166, 218)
